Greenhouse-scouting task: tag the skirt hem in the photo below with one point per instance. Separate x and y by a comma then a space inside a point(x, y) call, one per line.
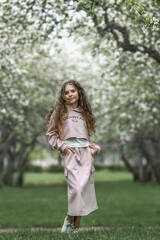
point(82, 214)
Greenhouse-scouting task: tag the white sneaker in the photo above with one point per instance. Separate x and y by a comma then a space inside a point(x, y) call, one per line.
point(75, 230)
point(67, 226)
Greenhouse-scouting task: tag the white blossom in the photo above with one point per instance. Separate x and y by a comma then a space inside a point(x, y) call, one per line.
point(122, 115)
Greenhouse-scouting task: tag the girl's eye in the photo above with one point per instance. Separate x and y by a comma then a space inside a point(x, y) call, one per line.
point(66, 93)
point(73, 90)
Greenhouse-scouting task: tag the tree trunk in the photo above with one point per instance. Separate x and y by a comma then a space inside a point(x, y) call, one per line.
point(156, 169)
point(20, 180)
point(5, 144)
point(8, 176)
point(23, 159)
point(21, 170)
point(1, 169)
point(141, 173)
point(150, 148)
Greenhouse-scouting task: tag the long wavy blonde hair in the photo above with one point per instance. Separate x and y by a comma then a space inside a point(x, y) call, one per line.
point(60, 109)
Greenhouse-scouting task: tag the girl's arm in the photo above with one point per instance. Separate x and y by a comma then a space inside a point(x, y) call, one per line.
point(53, 140)
point(94, 146)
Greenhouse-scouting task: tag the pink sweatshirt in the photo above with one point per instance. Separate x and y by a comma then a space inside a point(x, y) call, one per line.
point(74, 126)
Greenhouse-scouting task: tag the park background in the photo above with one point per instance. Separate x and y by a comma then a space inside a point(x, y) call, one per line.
point(113, 49)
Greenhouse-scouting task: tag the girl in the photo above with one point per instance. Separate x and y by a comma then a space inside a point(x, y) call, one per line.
point(70, 124)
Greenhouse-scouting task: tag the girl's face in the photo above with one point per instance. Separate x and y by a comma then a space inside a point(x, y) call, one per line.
point(71, 95)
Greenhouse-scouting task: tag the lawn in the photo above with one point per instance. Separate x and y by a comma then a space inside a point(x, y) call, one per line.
point(134, 207)
point(51, 178)
point(139, 233)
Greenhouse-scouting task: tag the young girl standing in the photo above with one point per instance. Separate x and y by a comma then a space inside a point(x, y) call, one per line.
point(70, 124)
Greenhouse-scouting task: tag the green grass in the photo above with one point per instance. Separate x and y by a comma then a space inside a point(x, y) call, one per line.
point(120, 204)
point(51, 178)
point(134, 207)
point(113, 234)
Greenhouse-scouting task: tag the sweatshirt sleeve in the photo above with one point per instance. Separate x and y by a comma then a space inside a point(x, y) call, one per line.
point(53, 140)
point(94, 145)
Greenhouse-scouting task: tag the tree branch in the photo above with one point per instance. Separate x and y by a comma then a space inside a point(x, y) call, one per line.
point(125, 43)
point(129, 167)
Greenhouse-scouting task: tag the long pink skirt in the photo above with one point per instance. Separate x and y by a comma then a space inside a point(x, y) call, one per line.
point(79, 173)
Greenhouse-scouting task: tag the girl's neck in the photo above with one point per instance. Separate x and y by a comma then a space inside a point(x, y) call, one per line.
point(73, 106)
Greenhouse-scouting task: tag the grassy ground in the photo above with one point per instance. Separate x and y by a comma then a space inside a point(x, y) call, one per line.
point(121, 203)
point(135, 207)
point(113, 234)
point(51, 178)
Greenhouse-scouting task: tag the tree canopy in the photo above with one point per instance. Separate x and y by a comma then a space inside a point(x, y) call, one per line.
point(118, 62)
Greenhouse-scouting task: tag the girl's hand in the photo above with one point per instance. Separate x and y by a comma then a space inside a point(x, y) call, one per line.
point(68, 149)
point(96, 149)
